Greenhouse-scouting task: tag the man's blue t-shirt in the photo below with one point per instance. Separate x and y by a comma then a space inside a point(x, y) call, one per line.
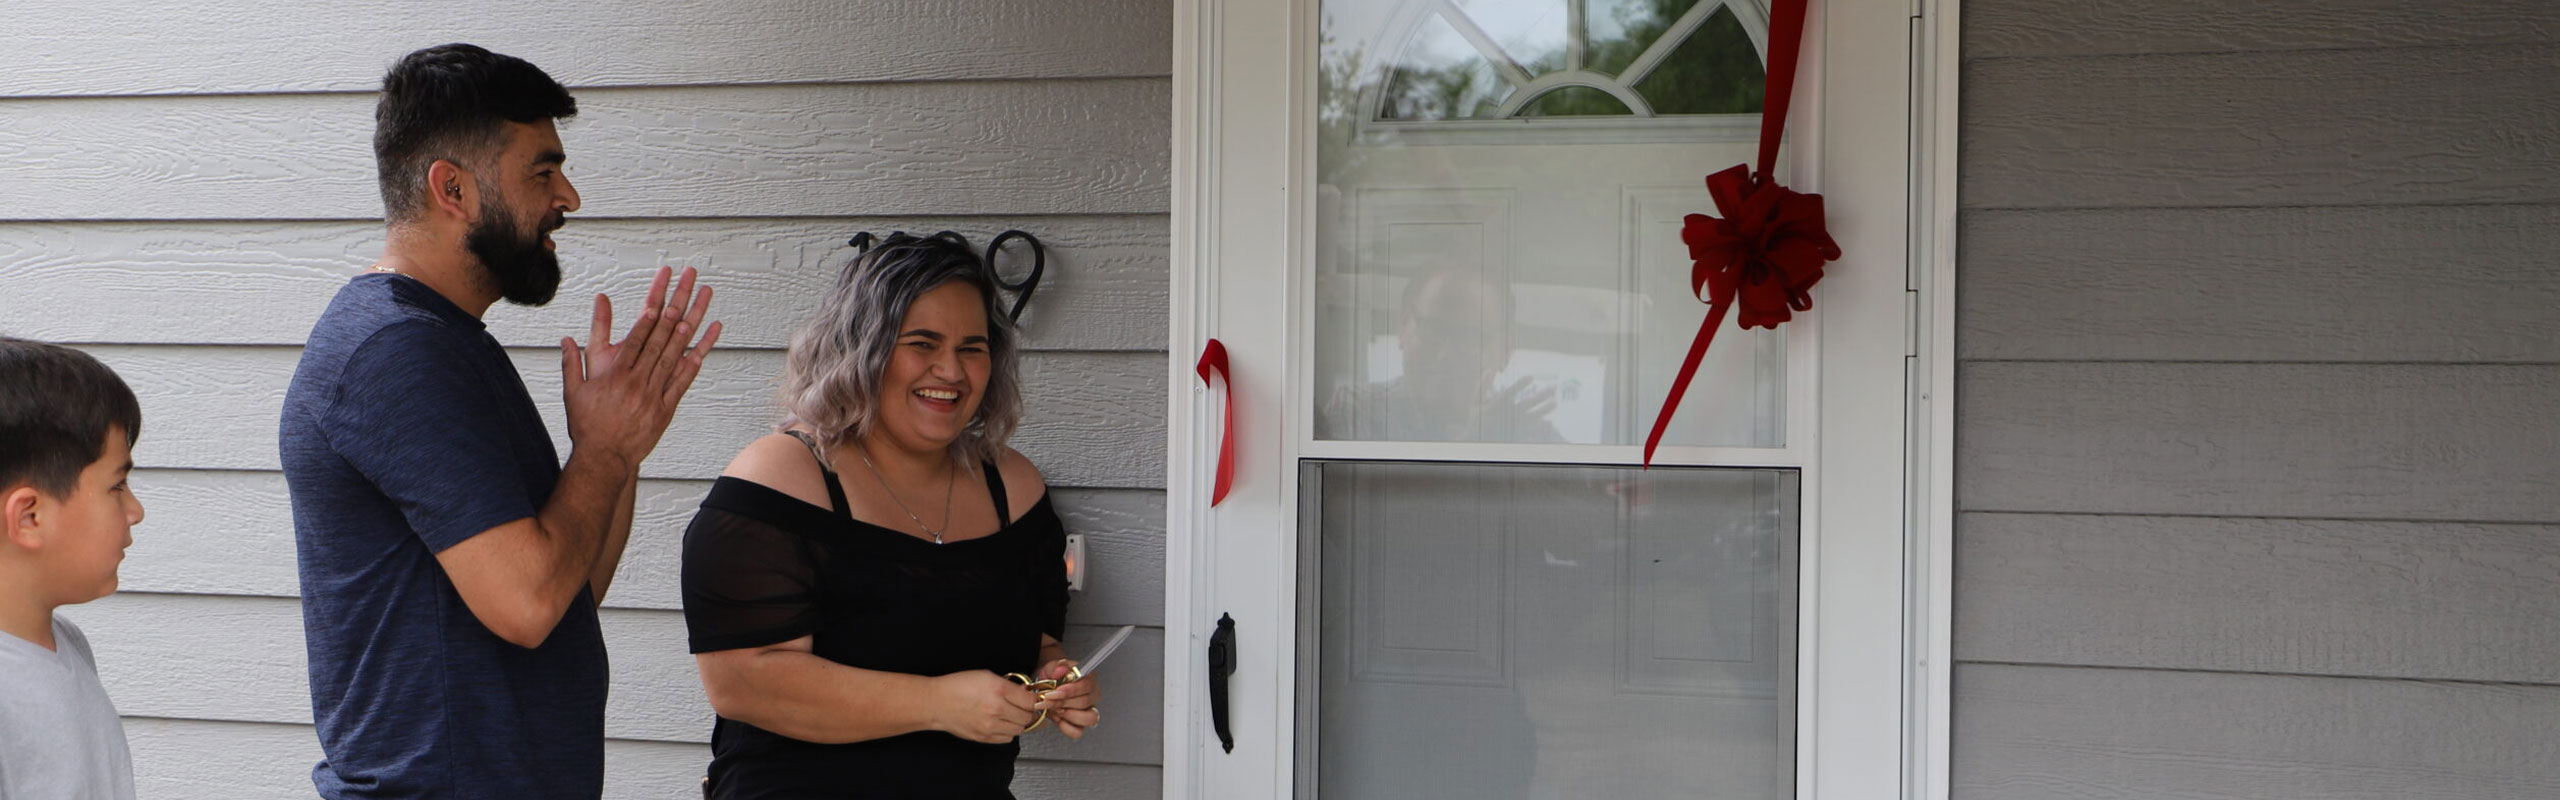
point(407, 431)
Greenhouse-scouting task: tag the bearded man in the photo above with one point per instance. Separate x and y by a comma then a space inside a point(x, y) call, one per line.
point(451, 564)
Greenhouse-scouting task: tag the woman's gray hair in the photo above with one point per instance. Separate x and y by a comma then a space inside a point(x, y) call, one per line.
point(831, 376)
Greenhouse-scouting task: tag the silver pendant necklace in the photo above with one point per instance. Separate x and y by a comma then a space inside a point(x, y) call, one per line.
point(947, 486)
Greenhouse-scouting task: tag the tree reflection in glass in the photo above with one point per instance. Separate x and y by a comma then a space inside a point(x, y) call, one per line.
point(1454, 67)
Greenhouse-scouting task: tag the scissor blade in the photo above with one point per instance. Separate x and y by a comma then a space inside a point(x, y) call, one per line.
point(1104, 651)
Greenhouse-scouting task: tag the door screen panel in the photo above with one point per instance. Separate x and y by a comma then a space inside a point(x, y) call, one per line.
point(1485, 631)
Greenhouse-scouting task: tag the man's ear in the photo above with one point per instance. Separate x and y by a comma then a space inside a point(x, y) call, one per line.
point(451, 191)
point(19, 522)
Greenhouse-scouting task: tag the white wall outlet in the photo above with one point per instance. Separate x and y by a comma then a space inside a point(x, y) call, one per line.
point(1075, 562)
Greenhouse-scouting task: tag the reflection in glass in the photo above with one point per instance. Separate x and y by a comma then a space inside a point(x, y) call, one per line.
point(1714, 71)
point(1525, 282)
point(1619, 30)
point(1442, 76)
point(1444, 378)
point(1533, 34)
point(1551, 632)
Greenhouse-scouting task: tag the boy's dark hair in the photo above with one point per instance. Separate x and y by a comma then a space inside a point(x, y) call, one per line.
point(447, 102)
point(56, 406)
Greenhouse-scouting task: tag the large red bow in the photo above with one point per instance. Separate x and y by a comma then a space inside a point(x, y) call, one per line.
point(1765, 254)
point(1767, 251)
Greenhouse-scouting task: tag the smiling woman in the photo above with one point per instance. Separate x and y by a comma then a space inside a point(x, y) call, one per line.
point(858, 349)
point(857, 585)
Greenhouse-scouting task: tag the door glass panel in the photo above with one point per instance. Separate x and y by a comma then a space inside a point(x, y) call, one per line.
point(1487, 631)
point(1502, 263)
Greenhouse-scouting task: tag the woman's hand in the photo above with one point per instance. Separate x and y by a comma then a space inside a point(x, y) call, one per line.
point(1070, 705)
point(983, 707)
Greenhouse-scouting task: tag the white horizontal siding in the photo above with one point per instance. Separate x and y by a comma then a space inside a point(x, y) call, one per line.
point(217, 408)
point(2257, 444)
point(2393, 126)
point(1104, 287)
point(2041, 733)
point(178, 759)
point(2028, 28)
point(2293, 596)
point(157, 654)
point(120, 47)
point(2365, 441)
point(967, 147)
point(2368, 284)
point(230, 532)
point(197, 181)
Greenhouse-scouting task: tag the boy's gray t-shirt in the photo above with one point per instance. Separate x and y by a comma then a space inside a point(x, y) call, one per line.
point(59, 736)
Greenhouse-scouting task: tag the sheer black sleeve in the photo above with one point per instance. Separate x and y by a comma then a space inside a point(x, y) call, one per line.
point(1049, 567)
point(751, 569)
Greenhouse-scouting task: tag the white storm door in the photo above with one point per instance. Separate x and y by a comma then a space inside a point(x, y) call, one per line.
point(1440, 241)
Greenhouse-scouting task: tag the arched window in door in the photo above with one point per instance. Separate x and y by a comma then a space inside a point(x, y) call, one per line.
point(1468, 60)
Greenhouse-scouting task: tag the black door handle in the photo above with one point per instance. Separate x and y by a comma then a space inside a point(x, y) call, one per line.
point(1222, 663)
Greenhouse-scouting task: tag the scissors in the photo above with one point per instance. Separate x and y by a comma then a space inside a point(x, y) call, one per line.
point(1075, 673)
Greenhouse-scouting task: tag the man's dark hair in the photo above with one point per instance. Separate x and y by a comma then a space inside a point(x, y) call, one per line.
point(56, 406)
point(448, 102)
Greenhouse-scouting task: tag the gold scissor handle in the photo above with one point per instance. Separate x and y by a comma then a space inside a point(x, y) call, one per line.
point(1044, 686)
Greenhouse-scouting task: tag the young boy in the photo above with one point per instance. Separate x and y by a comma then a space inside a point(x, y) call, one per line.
point(67, 426)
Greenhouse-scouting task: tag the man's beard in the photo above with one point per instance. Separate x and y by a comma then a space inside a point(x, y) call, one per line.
point(527, 273)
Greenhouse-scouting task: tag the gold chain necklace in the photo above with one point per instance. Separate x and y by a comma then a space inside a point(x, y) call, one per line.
point(947, 486)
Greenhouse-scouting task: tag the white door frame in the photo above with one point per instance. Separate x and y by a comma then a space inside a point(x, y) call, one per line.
point(1241, 213)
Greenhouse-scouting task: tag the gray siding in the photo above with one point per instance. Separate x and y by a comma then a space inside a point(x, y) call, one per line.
point(187, 185)
point(2259, 400)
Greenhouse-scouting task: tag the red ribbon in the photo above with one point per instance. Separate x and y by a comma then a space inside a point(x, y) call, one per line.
point(1213, 358)
point(1768, 249)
